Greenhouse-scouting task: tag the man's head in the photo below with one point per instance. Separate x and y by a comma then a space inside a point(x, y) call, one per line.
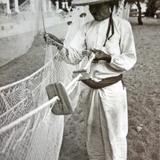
point(100, 9)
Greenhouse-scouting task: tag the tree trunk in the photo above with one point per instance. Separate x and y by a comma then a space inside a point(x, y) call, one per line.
point(139, 13)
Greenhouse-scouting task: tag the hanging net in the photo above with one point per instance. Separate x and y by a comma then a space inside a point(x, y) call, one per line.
point(28, 128)
point(26, 132)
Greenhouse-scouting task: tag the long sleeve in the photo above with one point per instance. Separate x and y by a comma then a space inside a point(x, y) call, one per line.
point(73, 53)
point(126, 60)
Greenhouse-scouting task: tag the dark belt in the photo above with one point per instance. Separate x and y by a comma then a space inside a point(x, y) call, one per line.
point(103, 83)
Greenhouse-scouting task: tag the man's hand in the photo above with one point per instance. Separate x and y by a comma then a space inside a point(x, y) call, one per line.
point(100, 55)
point(53, 40)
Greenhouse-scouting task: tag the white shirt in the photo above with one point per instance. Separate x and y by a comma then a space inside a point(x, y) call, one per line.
point(121, 47)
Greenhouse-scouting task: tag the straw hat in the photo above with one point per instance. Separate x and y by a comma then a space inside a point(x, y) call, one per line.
point(88, 2)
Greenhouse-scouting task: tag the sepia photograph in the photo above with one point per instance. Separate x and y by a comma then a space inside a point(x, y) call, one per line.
point(79, 79)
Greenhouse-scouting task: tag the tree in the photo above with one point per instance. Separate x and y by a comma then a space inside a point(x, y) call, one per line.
point(138, 4)
point(152, 6)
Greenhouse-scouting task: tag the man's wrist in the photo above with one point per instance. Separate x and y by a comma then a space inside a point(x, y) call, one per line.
point(108, 58)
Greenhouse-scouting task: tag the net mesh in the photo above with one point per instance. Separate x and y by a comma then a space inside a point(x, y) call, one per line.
point(37, 136)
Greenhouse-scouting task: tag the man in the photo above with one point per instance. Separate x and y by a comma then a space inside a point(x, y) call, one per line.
point(111, 40)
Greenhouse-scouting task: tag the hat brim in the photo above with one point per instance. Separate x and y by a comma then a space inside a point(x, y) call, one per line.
point(88, 2)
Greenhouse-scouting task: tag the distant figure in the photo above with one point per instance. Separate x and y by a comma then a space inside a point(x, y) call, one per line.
point(110, 38)
point(60, 4)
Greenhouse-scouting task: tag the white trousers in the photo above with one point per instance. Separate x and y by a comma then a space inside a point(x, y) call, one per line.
point(106, 122)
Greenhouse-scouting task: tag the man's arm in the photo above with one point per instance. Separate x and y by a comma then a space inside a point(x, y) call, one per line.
point(51, 39)
point(73, 52)
point(126, 60)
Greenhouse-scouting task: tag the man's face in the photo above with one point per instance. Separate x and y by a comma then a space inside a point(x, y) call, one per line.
point(99, 11)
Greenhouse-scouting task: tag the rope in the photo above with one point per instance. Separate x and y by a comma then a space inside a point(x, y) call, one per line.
point(27, 116)
point(110, 27)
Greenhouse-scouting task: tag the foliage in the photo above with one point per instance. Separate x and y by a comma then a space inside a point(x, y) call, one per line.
point(152, 6)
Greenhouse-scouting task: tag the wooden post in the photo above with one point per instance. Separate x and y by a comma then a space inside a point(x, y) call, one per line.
point(8, 7)
point(16, 6)
point(63, 5)
point(57, 5)
point(67, 7)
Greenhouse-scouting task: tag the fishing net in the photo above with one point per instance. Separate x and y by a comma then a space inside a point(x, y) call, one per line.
point(28, 129)
point(39, 135)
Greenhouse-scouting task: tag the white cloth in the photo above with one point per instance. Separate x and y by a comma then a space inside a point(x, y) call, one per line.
point(121, 47)
point(107, 123)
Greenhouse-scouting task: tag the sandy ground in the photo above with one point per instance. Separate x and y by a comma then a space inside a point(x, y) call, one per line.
point(142, 81)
